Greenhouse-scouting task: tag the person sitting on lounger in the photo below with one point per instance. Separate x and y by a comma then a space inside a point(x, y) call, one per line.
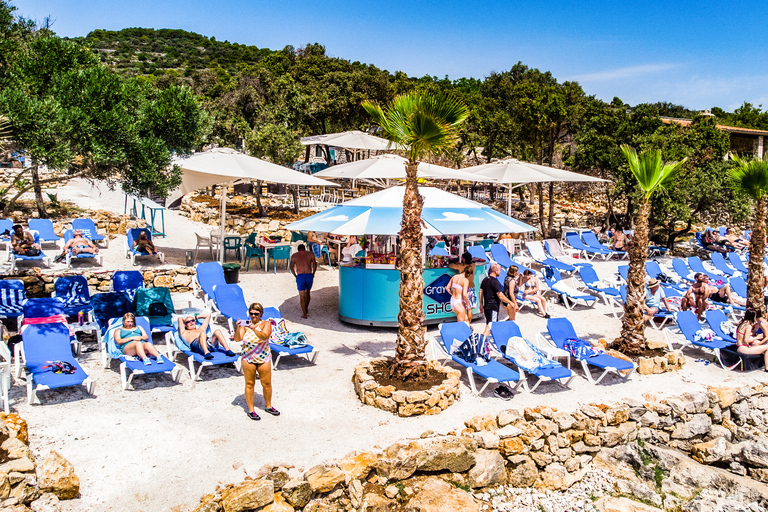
point(654, 298)
point(700, 292)
point(619, 239)
point(736, 241)
point(748, 340)
point(197, 338)
point(133, 341)
point(531, 287)
point(78, 244)
point(144, 244)
point(710, 243)
point(21, 240)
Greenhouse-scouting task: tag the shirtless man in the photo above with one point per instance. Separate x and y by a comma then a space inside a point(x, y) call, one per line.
point(738, 242)
point(21, 240)
point(699, 292)
point(197, 339)
point(78, 244)
point(303, 268)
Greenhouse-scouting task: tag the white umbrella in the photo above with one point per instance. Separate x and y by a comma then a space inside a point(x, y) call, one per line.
point(390, 166)
point(224, 165)
point(351, 140)
point(515, 171)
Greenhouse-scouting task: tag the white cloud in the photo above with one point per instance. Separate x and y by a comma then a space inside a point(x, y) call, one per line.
point(456, 217)
point(623, 73)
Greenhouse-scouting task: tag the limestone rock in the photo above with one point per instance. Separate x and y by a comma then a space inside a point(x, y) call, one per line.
point(56, 475)
point(564, 420)
point(46, 503)
point(278, 505)
point(297, 493)
point(523, 475)
point(487, 440)
point(612, 504)
point(357, 465)
point(509, 416)
point(711, 451)
point(17, 427)
point(279, 477)
point(318, 505)
point(554, 477)
point(400, 460)
point(436, 495)
point(695, 402)
point(324, 478)
point(755, 452)
point(247, 495)
point(19, 465)
point(482, 423)
point(17, 449)
point(373, 502)
point(208, 506)
point(617, 414)
point(489, 469)
point(697, 425)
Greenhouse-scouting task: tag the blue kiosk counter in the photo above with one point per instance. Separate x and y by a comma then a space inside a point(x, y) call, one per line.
point(371, 296)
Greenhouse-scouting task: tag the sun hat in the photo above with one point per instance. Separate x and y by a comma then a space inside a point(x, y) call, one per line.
point(653, 282)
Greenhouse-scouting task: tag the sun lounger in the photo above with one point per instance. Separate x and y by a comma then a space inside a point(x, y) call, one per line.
point(43, 346)
point(6, 226)
point(593, 283)
point(689, 325)
point(74, 294)
point(575, 241)
point(696, 265)
point(682, 270)
point(715, 319)
point(127, 281)
point(493, 372)
point(739, 286)
point(501, 256)
point(230, 303)
point(308, 351)
point(520, 295)
point(718, 261)
point(737, 263)
point(42, 257)
point(478, 252)
point(207, 276)
point(569, 294)
point(179, 345)
point(502, 332)
point(559, 253)
point(133, 252)
point(157, 305)
point(88, 227)
point(44, 228)
point(130, 366)
point(561, 330)
point(80, 256)
point(12, 298)
point(591, 240)
point(536, 250)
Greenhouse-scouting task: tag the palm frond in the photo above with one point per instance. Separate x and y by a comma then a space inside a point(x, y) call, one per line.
point(651, 174)
point(749, 177)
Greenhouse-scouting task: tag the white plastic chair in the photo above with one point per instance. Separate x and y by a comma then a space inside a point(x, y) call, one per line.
point(203, 242)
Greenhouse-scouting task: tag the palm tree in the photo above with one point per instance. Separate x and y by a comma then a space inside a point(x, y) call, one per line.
point(751, 179)
point(652, 176)
point(418, 124)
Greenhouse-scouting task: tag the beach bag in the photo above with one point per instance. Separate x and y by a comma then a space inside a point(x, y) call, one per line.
point(32, 251)
point(295, 340)
point(476, 349)
point(279, 330)
point(580, 349)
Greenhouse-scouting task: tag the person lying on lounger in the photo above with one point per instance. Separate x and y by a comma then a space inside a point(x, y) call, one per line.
point(79, 244)
point(144, 244)
point(709, 242)
point(736, 241)
point(133, 341)
point(701, 291)
point(197, 338)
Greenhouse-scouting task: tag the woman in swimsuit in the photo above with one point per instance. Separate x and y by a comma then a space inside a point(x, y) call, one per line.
point(529, 283)
point(254, 335)
point(144, 244)
point(458, 287)
point(747, 340)
point(133, 341)
point(510, 290)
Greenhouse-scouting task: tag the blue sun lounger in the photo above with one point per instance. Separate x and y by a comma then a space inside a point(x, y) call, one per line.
point(229, 302)
point(715, 317)
point(133, 252)
point(129, 366)
point(42, 257)
point(502, 332)
point(208, 275)
point(127, 281)
point(737, 263)
point(308, 351)
point(88, 227)
point(689, 325)
point(47, 308)
point(591, 240)
point(536, 250)
point(698, 266)
point(12, 298)
point(478, 252)
point(44, 228)
point(492, 372)
point(739, 286)
point(574, 240)
point(73, 292)
point(718, 261)
point(179, 345)
point(43, 345)
point(682, 270)
point(68, 235)
point(568, 294)
point(501, 256)
point(593, 283)
point(561, 330)
point(157, 305)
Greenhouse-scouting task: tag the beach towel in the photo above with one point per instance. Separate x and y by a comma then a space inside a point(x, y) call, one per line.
point(279, 330)
point(580, 349)
point(705, 335)
point(294, 340)
point(527, 356)
point(728, 328)
point(476, 349)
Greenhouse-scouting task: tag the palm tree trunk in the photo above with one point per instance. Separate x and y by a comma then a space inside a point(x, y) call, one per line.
point(756, 251)
point(632, 339)
point(409, 353)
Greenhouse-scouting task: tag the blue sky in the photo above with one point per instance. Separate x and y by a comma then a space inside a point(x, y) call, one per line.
point(698, 54)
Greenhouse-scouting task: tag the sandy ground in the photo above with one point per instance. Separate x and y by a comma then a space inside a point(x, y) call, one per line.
point(165, 444)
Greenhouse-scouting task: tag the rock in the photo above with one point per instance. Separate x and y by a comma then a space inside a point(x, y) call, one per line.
point(523, 475)
point(208, 506)
point(512, 446)
point(25, 492)
point(711, 451)
point(297, 493)
point(247, 495)
point(697, 425)
point(16, 426)
point(554, 477)
point(355, 492)
point(278, 505)
point(357, 465)
point(617, 414)
point(547, 427)
point(400, 460)
point(20, 465)
point(487, 440)
point(755, 452)
point(56, 475)
point(564, 420)
point(17, 449)
point(482, 423)
point(48, 502)
point(324, 478)
point(639, 490)
point(695, 402)
point(612, 504)
point(5, 485)
point(509, 416)
point(279, 477)
point(489, 469)
point(318, 505)
point(391, 491)
point(373, 502)
point(437, 495)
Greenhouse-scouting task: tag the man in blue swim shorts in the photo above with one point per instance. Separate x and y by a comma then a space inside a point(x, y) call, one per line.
point(303, 267)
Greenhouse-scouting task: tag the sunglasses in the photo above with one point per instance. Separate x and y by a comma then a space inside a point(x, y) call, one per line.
point(189, 321)
point(254, 313)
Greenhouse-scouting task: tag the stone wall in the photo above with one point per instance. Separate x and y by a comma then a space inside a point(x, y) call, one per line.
point(25, 481)
point(538, 447)
point(178, 280)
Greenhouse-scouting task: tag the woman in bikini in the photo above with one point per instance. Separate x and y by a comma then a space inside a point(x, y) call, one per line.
point(529, 283)
point(750, 336)
point(144, 244)
point(458, 287)
point(256, 358)
point(510, 290)
point(133, 341)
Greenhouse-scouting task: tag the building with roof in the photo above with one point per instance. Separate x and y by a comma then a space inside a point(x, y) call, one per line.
point(743, 140)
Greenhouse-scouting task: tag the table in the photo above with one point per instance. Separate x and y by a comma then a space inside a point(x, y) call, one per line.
point(88, 327)
point(267, 246)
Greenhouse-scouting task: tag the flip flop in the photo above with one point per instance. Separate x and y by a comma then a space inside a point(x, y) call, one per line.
point(273, 411)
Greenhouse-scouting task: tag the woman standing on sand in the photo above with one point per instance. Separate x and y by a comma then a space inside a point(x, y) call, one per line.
point(254, 334)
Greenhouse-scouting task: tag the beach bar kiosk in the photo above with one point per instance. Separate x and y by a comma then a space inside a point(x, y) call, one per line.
point(369, 283)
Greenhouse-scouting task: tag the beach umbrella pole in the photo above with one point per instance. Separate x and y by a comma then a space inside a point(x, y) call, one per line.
point(223, 220)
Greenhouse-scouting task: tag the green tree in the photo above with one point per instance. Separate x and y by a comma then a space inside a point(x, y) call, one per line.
point(652, 177)
point(750, 178)
point(279, 145)
point(421, 125)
